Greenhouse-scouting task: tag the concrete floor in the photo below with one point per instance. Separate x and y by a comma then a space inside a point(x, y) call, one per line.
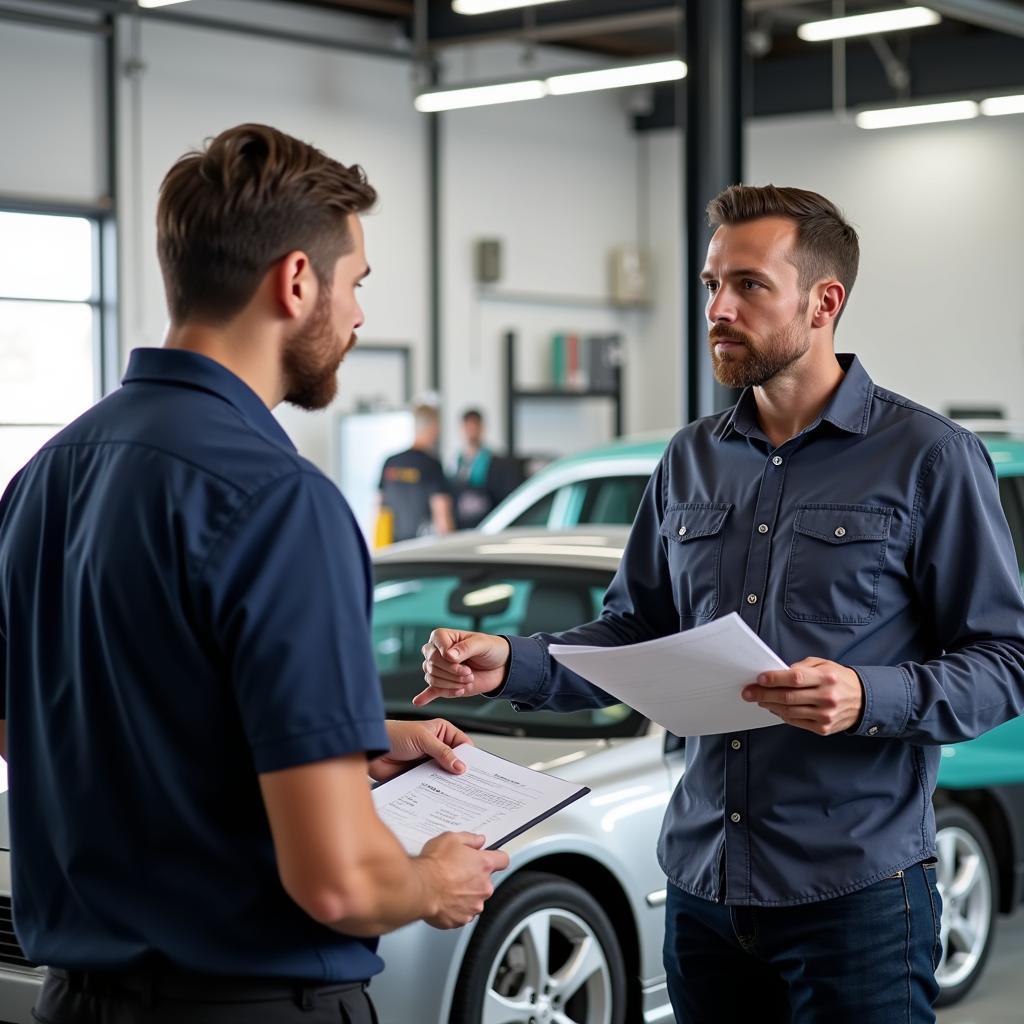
point(998, 998)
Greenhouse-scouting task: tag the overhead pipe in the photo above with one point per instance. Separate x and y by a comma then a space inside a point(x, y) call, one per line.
point(993, 14)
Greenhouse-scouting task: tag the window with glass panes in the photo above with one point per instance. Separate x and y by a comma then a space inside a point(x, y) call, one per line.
point(49, 329)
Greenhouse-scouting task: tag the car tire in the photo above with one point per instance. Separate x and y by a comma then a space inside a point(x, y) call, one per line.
point(505, 969)
point(968, 882)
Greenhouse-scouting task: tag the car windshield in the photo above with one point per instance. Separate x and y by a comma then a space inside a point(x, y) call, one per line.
point(411, 600)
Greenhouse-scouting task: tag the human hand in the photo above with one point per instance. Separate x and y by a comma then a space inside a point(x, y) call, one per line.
point(814, 694)
point(457, 663)
point(410, 741)
point(460, 872)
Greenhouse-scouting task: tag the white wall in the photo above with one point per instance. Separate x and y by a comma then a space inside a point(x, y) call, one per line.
point(555, 181)
point(51, 115)
point(937, 313)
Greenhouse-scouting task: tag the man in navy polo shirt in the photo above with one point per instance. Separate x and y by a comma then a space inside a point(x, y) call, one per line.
point(191, 706)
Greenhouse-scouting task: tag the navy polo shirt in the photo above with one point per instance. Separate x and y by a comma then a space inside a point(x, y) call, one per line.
point(184, 603)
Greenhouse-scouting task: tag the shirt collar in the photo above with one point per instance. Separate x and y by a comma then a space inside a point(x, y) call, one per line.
point(181, 368)
point(848, 409)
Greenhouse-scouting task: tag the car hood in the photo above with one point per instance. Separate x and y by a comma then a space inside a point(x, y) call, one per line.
point(558, 756)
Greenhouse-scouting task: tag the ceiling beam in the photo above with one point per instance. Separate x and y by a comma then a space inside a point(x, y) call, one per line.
point(994, 14)
point(576, 28)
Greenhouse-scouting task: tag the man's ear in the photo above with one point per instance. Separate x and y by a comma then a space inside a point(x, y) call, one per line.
point(828, 298)
point(295, 285)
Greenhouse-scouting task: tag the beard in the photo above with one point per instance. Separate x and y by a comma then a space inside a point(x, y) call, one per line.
point(311, 359)
point(755, 366)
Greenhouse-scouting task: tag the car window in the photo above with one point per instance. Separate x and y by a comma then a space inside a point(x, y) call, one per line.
point(494, 599)
point(538, 513)
point(1011, 494)
point(612, 500)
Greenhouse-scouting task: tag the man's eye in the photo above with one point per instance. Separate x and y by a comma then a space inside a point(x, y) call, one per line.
point(750, 285)
point(710, 285)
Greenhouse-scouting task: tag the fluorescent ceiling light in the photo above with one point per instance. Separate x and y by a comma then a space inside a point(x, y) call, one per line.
point(487, 6)
point(480, 95)
point(554, 85)
point(159, 3)
point(868, 24)
point(922, 113)
point(997, 105)
point(615, 78)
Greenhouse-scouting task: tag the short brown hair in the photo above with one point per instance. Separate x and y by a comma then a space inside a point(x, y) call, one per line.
point(425, 415)
point(826, 246)
point(229, 212)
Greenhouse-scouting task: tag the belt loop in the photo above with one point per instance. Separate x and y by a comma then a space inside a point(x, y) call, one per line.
point(304, 997)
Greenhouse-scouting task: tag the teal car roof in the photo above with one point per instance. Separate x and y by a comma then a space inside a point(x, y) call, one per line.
point(1007, 452)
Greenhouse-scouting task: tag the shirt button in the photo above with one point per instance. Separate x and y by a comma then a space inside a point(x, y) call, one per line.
point(763, 528)
point(777, 460)
point(682, 531)
point(735, 744)
point(751, 598)
point(873, 730)
point(734, 817)
point(840, 531)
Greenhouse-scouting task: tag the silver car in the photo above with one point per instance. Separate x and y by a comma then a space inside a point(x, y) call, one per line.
point(573, 932)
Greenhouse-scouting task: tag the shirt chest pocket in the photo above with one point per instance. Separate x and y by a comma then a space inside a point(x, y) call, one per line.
point(835, 563)
point(693, 534)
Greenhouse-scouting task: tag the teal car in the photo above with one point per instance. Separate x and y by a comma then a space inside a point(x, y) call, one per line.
point(979, 803)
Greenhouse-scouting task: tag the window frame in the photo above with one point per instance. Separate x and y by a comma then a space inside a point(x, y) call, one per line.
point(103, 298)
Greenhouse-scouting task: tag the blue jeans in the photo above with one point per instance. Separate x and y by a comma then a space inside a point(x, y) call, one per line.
point(865, 958)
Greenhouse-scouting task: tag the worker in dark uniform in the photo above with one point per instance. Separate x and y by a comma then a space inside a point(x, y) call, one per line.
point(415, 496)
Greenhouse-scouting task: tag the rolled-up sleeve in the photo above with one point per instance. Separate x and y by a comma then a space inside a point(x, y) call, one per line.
point(638, 605)
point(967, 583)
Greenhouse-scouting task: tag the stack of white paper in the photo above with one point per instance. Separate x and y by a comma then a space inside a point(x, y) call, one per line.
point(689, 682)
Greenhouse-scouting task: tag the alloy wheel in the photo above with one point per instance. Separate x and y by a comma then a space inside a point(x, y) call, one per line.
point(551, 969)
point(966, 889)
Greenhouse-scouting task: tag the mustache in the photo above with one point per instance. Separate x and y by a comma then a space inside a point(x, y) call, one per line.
point(722, 332)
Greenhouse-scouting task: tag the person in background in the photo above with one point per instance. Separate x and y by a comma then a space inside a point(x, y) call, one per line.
point(415, 496)
point(189, 699)
point(472, 478)
point(861, 536)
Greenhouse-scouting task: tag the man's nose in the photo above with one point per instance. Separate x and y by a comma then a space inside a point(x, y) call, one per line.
point(720, 308)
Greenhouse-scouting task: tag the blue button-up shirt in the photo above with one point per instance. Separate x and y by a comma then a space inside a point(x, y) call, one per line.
point(184, 603)
point(873, 538)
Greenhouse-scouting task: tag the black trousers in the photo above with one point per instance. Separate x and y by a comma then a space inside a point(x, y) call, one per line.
point(138, 997)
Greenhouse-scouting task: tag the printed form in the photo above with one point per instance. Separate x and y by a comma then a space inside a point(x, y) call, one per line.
point(688, 682)
point(493, 797)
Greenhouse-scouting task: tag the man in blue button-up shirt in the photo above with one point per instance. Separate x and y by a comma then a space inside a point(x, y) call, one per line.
point(190, 700)
point(861, 537)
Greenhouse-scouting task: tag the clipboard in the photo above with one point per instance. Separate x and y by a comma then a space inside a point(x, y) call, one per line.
point(494, 797)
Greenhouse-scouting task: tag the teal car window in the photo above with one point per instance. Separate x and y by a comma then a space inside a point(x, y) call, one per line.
point(1011, 494)
point(538, 513)
point(517, 600)
point(612, 501)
